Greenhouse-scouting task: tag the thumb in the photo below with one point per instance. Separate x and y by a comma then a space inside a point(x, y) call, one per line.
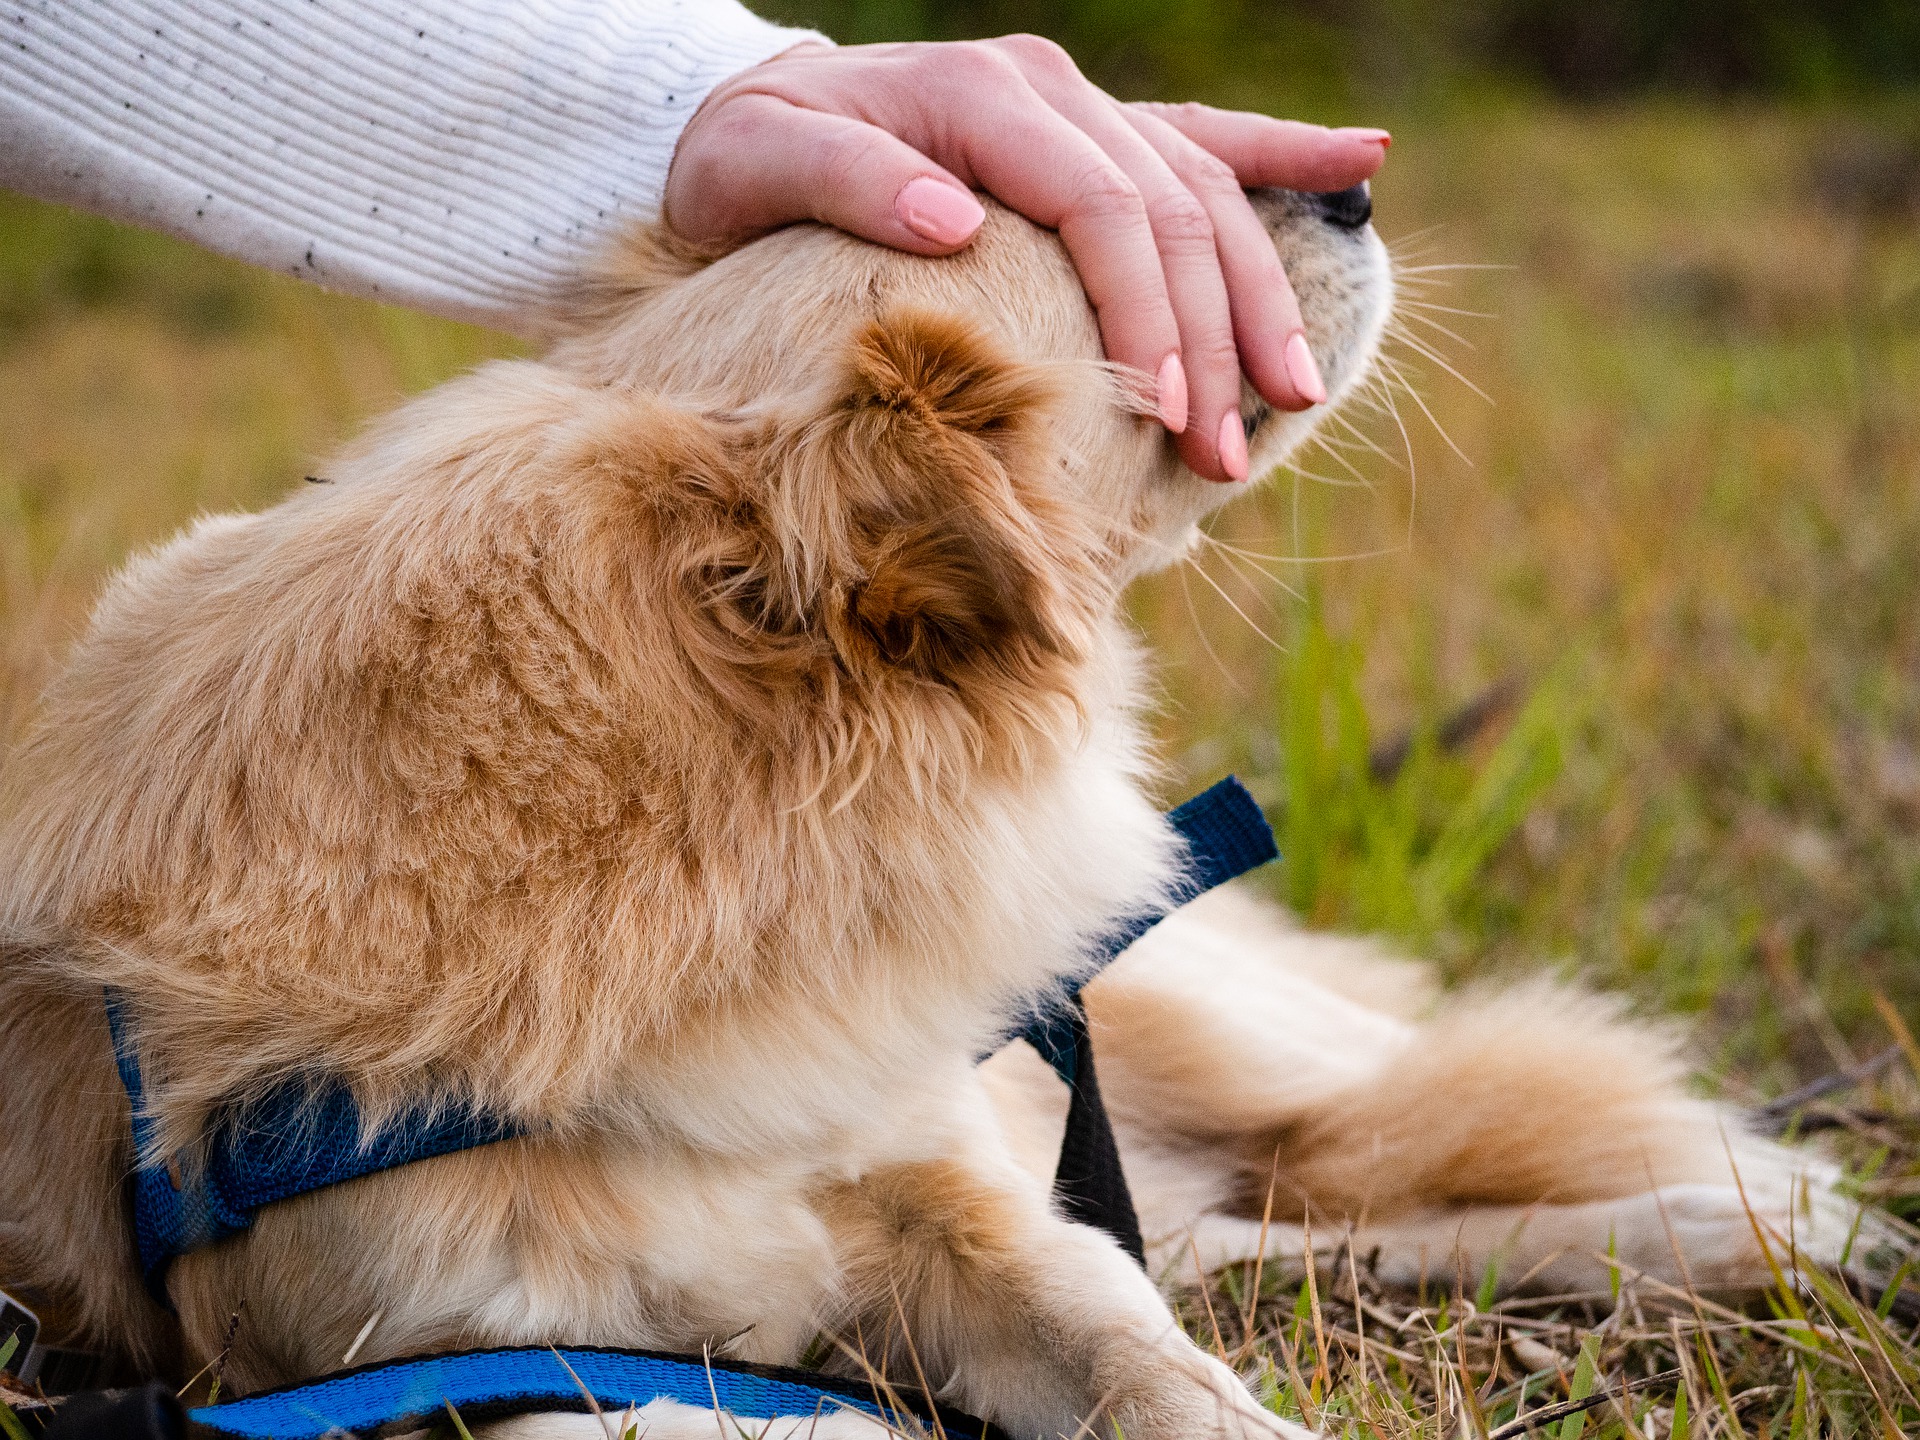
point(759, 162)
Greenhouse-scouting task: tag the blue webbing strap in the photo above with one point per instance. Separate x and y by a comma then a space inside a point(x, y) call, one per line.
point(298, 1138)
point(400, 1395)
point(1226, 835)
point(305, 1137)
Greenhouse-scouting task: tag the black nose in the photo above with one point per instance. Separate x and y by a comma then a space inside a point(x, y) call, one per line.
point(1349, 209)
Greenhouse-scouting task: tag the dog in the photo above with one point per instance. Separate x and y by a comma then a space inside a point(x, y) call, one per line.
point(696, 746)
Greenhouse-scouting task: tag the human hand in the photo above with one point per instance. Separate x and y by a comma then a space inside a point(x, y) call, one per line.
point(888, 141)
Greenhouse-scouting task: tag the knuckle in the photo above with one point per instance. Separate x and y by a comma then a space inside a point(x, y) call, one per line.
point(973, 62)
point(1207, 172)
point(1186, 112)
point(1212, 350)
point(730, 125)
point(1183, 221)
point(1041, 54)
point(1103, 192)
point(847, 154)
point(701, 162)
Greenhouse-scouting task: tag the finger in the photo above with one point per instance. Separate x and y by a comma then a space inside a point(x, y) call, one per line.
point(1184, 236)
point(1037, 162)
point(1265, 314)
point(1265, 151)
point(760, 162)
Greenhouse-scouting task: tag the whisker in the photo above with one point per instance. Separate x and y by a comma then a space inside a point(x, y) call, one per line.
point(1414, 395)
point(1406, 441)
point(1421, 288)
point(1221, 592)
point(1252, 560)
point(1319, 442)
point(1337, 482)
point(1344, 444)
point(1433, 324)
point(1366, 399)
point(1251, 555)
point(1400, 242)
point(1420, 347)
point(1254, 585)
point(1365, 441)
point(1445, 309)
point(1295, 480)
point(1239, 550)
point(1255, 557)
point(1200, 631)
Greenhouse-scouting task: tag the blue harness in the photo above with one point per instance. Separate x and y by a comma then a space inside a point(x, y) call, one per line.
point(482, 1385)
point(306, 1136)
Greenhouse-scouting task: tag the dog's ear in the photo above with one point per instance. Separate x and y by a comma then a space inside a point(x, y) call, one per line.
point(936, 538)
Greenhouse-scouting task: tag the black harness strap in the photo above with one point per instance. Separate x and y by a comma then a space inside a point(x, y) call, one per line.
point(1226, 835)
point(1089, 1183)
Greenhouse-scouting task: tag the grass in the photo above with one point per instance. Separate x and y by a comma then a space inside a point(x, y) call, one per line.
point(1688, 512)
point(1638, 1360)
point(1680, 532)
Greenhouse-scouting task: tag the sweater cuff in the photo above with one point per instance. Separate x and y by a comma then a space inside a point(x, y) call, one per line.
point(461, 157)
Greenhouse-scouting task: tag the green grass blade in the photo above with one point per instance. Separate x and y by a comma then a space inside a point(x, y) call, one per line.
point(1585, 1371)
point(459, 1425)
point(1489, 1284)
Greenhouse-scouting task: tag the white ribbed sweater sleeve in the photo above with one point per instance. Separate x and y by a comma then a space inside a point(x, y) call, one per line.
point(456, 156)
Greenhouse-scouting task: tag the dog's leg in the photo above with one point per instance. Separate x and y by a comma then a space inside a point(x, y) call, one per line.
point(958, 1270)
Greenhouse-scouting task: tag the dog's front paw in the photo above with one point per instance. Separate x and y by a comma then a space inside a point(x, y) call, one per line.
point(1188, 1395)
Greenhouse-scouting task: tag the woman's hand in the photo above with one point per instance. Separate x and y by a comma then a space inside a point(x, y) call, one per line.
point(888, 142)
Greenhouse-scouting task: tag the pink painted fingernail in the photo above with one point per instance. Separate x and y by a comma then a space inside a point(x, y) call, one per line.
point(937, 211)
point(1302, 370)
point(1233, 446)
point(1171, 384)
point(1355, 132)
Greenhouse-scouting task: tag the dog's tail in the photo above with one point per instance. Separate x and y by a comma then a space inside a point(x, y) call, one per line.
point(1261, 1073)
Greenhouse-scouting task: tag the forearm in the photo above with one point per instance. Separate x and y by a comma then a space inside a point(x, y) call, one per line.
point(456, 156)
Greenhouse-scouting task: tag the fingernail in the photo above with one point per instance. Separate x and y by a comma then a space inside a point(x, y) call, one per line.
point(1171, 385)
point(1302, 370)
point(1233, 446)
point(937, 211)
point(1377, 137)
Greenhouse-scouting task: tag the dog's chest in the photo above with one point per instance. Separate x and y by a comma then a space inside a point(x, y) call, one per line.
point(849, 1059)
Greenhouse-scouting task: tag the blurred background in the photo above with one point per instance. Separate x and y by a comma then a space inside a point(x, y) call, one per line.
point(1594, 643)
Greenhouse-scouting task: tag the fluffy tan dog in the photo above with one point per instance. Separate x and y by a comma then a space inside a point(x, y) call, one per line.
point(695, 745)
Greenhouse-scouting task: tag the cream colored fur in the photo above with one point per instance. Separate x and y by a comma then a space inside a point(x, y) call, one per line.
point(1267, 1083)
point(695, 745)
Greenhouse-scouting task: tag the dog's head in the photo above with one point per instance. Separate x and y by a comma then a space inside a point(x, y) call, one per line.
point(945, 474)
